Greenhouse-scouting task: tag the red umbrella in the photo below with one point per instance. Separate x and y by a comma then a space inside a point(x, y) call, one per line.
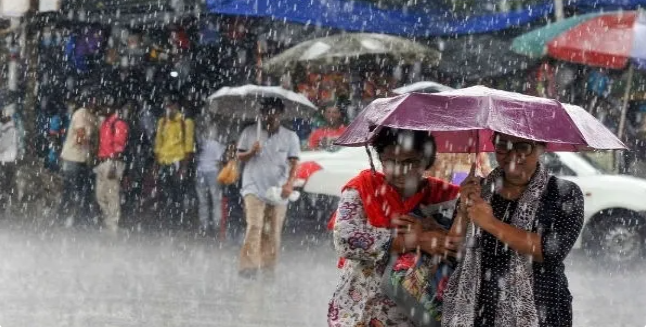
point(609, 40)
point(603, 41)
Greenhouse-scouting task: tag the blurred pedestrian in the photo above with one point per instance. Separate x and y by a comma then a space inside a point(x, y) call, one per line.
point(113, 138)
point(270, 153)
point(77, 155)
point(138, 159)
point(147, 120)
point(8, 158)
point(174, 148)
point(59, 120)
point(210, 160)
point(324, 137)
point(454, 167)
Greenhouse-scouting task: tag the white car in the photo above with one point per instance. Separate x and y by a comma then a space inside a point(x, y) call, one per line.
point(615, 205)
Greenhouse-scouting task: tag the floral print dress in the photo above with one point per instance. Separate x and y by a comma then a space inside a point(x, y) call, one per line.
point(358, 300)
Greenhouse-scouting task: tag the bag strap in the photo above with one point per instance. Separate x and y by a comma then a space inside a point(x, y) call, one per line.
point(183, 121)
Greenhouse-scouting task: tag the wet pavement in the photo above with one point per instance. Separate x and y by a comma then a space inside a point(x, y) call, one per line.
point(56, 277)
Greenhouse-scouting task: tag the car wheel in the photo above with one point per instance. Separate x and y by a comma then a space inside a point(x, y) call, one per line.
point(617, 239)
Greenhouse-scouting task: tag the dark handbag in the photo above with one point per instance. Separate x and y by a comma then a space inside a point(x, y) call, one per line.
point(416, 282)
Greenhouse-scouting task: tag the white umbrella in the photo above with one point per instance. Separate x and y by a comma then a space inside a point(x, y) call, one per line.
point(339, 49)
point(423, 87)
point(242, 101)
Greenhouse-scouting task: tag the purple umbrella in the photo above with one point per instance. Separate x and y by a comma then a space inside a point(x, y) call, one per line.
point(596, 135)
point(463, 121)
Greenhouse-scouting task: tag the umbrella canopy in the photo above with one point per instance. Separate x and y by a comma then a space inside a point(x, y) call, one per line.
point(464, 121)
point(242, 101)
point(340, 49)
point(607, 40)
point(603, 40)
point(596, 135)
point(423, 87)
point(534, 43)
point(475, 57)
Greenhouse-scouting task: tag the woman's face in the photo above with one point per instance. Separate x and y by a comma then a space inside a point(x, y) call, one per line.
point(403, 168)
point(517, 157)
point(333, 115)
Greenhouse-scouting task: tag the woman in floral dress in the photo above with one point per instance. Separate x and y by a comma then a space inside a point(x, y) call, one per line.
point(372, 221)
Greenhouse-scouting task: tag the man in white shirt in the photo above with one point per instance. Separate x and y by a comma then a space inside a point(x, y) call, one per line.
point(270, 153)
point(8, 157)
point(77, 155)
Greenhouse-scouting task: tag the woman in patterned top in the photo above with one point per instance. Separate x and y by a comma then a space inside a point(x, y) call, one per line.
point(525, 223)
point(373, 205)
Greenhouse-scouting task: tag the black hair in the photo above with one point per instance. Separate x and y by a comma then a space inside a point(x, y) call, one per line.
point(121, 103)
point(342, 104)
point(89, 94)
point(55, 106)
point(421, 141)
point(272, 103)
point(495, 136)
point(108, 100)
point(173, 97)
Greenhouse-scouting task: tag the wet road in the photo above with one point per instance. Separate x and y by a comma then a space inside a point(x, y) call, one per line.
point(54, 277)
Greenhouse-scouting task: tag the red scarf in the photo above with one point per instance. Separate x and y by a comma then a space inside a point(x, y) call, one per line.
point(382, 202)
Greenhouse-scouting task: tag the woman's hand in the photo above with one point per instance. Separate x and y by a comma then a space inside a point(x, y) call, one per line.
point(524, 242)
point(470, 187)
point(410, 229)
point(480, 212)
point(471, 202)
point(440, 243)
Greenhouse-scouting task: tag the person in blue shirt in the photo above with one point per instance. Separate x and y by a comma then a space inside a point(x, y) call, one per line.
point(58, 122)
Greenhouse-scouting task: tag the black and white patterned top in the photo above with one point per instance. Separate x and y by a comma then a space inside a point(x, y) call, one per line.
point(559, 220)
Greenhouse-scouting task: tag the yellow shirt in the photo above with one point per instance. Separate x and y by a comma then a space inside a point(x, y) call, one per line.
point(175, 139)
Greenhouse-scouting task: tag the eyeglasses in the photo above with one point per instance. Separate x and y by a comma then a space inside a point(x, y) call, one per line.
point(522, 148)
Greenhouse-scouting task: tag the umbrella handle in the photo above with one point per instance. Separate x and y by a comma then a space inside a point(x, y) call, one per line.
point(625, 100)
point(622, 119)
point(477, 155)
point(372, 163)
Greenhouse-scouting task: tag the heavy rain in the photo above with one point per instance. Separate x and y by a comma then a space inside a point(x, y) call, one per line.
point(322, 163)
